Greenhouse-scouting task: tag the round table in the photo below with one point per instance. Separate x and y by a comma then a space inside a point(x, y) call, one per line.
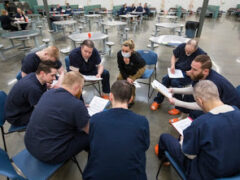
point(65, 23)
point(79, 37)
point(168, 40)
point(171, 26)
point(88, 16)
point(172, 18)
point(25, 34)
point(113, 23)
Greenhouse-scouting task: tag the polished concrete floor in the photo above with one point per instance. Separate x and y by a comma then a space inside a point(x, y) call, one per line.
point(220, 39)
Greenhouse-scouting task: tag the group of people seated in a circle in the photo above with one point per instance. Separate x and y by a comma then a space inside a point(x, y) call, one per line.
point(59, 126)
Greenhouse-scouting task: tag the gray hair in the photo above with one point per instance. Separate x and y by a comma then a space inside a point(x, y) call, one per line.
point(206, 90)
point(193, 42)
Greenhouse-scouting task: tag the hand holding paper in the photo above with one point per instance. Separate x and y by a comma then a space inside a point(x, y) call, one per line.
point(161, 88)
point(177, 73)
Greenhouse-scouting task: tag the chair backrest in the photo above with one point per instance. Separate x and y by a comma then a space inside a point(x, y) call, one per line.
point(6, 168)
point(150, 57)
point(19, 75)
point(3, 97)
point(67, 63)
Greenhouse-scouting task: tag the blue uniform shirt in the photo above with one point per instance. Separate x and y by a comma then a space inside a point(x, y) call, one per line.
point(31, 61)
point(86, 68)
point(183, 61)
point(56, 119)
point(119, 139)
point(227, 92)
point(215, 139)
point(22, 98)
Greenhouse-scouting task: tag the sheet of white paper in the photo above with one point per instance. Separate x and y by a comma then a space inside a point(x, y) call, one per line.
point(178, 73)
point(161, 88)
point(136, 84)
point(91, 78)
point(97, 105)
point(182, 124)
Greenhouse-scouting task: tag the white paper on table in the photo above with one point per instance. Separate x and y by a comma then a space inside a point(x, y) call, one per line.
point(136, 84)
point(97, 105)
point(178, 73)
point(181, 125)
point(161, 88)
point(91, 78)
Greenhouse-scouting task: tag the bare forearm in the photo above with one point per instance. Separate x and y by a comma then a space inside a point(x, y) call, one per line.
point(186, 90)
point(187, 105)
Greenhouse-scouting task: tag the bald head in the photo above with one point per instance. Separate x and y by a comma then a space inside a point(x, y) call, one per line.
point(191, 46)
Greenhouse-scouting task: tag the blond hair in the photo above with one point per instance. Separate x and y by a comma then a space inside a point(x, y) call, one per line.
point(71, 78)
point(53, 51)
point(206, 90)
point(129, 43)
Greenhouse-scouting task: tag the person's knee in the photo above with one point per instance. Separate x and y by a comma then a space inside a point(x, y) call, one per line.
point(175, 83)
point(105, 74)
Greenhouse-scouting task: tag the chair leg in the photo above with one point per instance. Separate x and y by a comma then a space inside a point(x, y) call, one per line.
point(160, 166)
point(3, 138)
point(76, 162)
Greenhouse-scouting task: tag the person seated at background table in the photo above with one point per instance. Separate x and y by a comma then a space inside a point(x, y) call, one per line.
point(87, 61)
point(52, 8)
point(20, 16)
point(130, 64)
point(139, 8)
point(68, 9)
point(59, 9)
point(119, 139)
point(209, 147)
point(146, 9)
point(59, 125)
point(201, 69)
point(181, 59)
point(132, 8)
point(26, 93)
point(6, 21)
point(31, 61)
point(123, 10)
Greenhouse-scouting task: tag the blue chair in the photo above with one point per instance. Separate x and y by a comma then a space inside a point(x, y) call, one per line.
point(6, 168)
point(3, 97)
point(35, 169)
point(181, 173)
point(238, 89)
point(150, 57)
point(19, 75)
point(88, 83)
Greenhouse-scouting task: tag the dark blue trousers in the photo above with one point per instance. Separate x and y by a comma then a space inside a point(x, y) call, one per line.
point(105, 81)
point(173, 82)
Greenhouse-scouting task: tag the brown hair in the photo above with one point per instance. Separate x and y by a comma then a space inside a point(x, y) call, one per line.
point(204, 60)
point(88, 43)
point(46, 66)
point(53, 51)
point(121, 90)
point(129, 43)
point(4, 12)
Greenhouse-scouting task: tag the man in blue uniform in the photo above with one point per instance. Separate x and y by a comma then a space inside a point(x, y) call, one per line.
point(119, 139)
point(26, 93)
point(210, 146)
point(31, 61)
point(181, 59)
point(201, 69)
point(58, 127)
point(88, 61)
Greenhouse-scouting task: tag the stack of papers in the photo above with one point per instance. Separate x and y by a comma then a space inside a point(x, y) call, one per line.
point(181, 125)
point(91, 78)
point(97, 105)
point(178, 73)
point(161, 88)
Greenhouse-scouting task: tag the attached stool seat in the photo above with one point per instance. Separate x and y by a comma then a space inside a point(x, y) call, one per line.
point(110, 44)
point(46, 41)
